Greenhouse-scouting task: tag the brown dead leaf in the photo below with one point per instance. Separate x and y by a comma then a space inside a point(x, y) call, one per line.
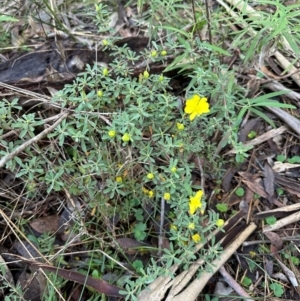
point(31, 286)
point(269, 266)
point(252, 124)
point(226, 181)
point(254, 182)
point(275, 239)
point(268, 181)
point(46, 224)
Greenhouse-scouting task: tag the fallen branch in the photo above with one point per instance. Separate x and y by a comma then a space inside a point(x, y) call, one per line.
point(196, 286)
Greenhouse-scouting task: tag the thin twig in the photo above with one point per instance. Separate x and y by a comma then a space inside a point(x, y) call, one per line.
point(232, 283)
point(35, 139)
point(162, 214)
point(201, 174)
point(208, 21)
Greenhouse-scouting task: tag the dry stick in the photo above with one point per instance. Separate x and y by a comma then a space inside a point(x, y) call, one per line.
point(201, 174)
point(262, 138)
point(232, 283)
point(42, 98)
point(207, 12)
point(295, 217)
point(22, 147)
point(156, 291)
point(161, 226)
point(197, 285)
point(290, 120)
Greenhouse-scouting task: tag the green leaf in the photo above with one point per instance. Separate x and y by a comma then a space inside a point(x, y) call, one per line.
point(4, 18)
point(293, 160)
point(280, 191)
point(222, 207)
point(247, 281)
point(291, 41)
point(216, 49)
point(240, 191)
point(137, 264)
point(277, 289)
point(264, 97)
point(174, 64)
point(280, 158)
point(252, 134)
point(173, 29)
point(139, 231)
point(295, 260)
point(263, 116)
point(271, 220)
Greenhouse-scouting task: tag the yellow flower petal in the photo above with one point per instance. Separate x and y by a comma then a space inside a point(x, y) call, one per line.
point(167, 196)
point(145, 190)
point(196, 106)
point(111, 133)
point(220, 222)
point(150, 176)
point(195, 202)
point(196, 238)
point(126, 137)
point(119, 179)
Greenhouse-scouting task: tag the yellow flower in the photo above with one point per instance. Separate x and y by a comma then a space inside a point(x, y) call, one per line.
point(111, 133)
point(195, 202)
point(173, 227)
point(180, 126)
point(196, 106)
point(146, 74)
point(119, 179)
point(196, 238)
point(150, 176)
point(191, 226)
point(126, 137)
point(174, 169)
point(145, 190)
point(105, 72)
point(105, 42)
point(220, 223)
point(99, 93)
point(153, 53)
point(163, 52)
point(167, 196)
point(151, 193)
